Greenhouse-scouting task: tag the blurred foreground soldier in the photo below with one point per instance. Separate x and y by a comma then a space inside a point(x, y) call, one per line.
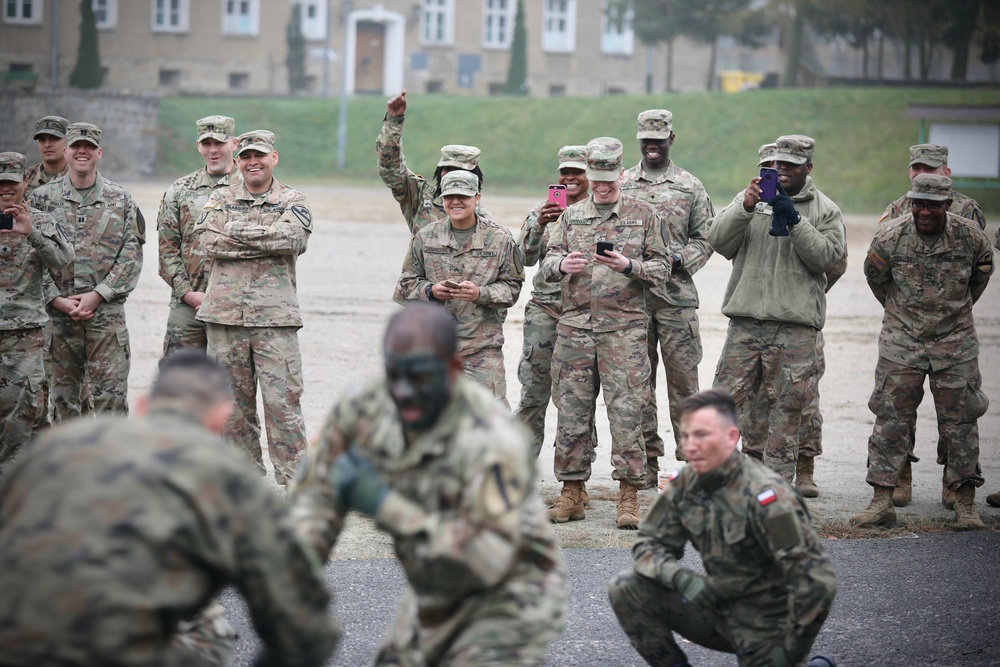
point(684, 207)
point(182, 256)
point(601, 335)
point(927, 268)
point(769, 584)
point(253, 232)
point(993, 500)
point(116, 534)
point(419, 200)
point(440, 466)
point(28, 249)
point(933, 159)
point(50, 135)
point(776, 297)
point(472, 267)
point(90, 339)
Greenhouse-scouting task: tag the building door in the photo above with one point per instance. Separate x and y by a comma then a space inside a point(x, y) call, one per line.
point(369, 62)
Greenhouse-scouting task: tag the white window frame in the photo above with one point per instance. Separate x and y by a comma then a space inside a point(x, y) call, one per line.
point(183, 16)
point(110, 13)
point(444, 12)
point(36, 12)
point(613, 41)
point(233, 24)
point(556, 13)
point(495, 37)
point(314, 30)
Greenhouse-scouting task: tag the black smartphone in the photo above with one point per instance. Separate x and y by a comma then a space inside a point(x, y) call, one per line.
point(768, 184)
point(6, 221)
point(603, 247)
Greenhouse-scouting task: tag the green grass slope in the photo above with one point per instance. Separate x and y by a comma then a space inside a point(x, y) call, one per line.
point(862, 135)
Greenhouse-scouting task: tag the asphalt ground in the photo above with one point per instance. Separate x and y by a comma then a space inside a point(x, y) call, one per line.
point(927, 599)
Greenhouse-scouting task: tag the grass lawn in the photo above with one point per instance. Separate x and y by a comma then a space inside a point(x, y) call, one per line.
point(862, 135)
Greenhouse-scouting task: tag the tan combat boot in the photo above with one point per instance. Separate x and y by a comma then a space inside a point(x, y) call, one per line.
point(965, 509)
point(947, 495)
point(880, 511)
point(903, 494)
point(584, 495)
point(628, 506)
point(569, 504)
point(993, 500)
point(804, 482)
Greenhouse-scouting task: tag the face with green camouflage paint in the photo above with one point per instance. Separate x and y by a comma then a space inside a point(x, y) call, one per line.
point(420, 385)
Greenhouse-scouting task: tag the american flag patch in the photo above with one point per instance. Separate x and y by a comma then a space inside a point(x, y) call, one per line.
point(876, 261)
point(765, 498)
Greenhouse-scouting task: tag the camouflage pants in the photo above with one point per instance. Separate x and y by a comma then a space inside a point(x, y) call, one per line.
point(268, 356)
point(486, 368)
point(184, 330)
point(22, 374)
point(810, 426)
point(778, 359)
point(42, 420)
point(584, 363)
point(676, 331)
point(207, 639)
point(959, 403)
point(95, 352)
point(535, 370)
point(650, 613)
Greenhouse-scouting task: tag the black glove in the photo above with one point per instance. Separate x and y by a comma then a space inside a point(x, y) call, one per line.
point(783, 215)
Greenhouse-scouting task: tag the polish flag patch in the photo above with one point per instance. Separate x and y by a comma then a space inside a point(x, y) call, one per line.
point(765, 498)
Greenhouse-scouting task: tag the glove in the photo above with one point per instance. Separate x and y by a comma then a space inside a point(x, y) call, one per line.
point(783, 215)
point(693, 586)
point(357, 484)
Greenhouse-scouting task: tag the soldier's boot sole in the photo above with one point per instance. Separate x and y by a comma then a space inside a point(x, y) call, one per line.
point(880, 511)
point(903, 494)
point(580, 516)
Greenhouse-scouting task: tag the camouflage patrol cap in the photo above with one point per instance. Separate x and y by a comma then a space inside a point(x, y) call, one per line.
point(933, 187)
point(604, 159)
point(933, 155)
point(459, 156)
point(573, 157)
point(766, 153)
point(255, 140)
point(12, 166)
point(794, 148)
point(655, 124)
point(53, 125)
point(83, 132)
point(460, 182)
point(220, 128)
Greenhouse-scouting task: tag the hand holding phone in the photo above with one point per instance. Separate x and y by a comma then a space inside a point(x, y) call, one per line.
point(603, 247)
point(557, 195)
point(451, 284)
point(6, 221)
point(768, 184)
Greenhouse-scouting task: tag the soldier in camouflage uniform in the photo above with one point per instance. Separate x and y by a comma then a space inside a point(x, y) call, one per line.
point(441, 467)
point(472, 267)
point(601, 335)
point(116, 534)
point(33, 246)
point(50, 135)
point(776, 297)
point(252, 231)
point(541, 313)
point(927, 268)
point(87, 300)
point(419, 200)
point(769, 584)
point(182, 257)
point(685, 208)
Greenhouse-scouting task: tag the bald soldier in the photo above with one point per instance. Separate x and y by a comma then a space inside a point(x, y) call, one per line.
point(115, 534)
point(445, 470)
point(50, 135)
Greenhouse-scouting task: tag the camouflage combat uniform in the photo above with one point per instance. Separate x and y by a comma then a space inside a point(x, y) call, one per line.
point(23, 261)
point(107, 240)
point(928, 286)
point(776, 303)
point(961, 205)
point(772, 582)
point(115, 532)
point(683, 205)
point(252, 313)
point(486, 579)
point(36, 176)
point(488, 258)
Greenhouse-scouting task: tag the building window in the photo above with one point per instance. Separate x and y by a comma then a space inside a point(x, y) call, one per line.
point(437, 22)
point(498, 26)
point(313, 19)
point(239, 81)
point(170, 15)
point(616, 29)
point(22, 11)
point(559, 26)
point(170, 78)
point(106, 12)
point(22, 68)
point(240, 17)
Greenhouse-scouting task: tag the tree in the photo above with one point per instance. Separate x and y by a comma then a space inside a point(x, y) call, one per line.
point(87, 72)
point(296, 59)
point(517, 73)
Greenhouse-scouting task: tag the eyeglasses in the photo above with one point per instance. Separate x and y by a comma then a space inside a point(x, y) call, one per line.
point(920, 204)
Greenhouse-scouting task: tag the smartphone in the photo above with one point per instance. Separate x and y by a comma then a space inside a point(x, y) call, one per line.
point(768, 184)
point(557, 195)
point(7, 221)
point(603, 247)
point(451, 284)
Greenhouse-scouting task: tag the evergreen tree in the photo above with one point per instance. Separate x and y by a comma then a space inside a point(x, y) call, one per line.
point(87, 71)
point(296, 60)
point(517, 75)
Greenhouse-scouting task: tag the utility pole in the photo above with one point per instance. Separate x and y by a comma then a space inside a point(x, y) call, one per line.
point(342, 121)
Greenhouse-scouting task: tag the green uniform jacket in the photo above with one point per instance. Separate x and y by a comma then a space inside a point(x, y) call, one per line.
point(36, 176)
point(533, 243)
point(24, 260)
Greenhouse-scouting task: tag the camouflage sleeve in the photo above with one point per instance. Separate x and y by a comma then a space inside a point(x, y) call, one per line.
point(124, 273)
point(659, 546)
point(655, 266)
point(49, 241)
point(729, 227)
point(533, 237)
point(405, 185)
point(838, 270)
point(503, 292)
point(820, 243)
point(288, 235)
point(698, 250)
point(168, 228)
point(556, 252)
point(983, 269)
point(996, 239)
point(973, 212)
point(413, 282)
point(878, 270)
